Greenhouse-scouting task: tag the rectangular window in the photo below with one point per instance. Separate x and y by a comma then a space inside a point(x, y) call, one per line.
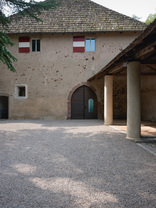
point(90, 44)
point(36, 45)
point(21, 91)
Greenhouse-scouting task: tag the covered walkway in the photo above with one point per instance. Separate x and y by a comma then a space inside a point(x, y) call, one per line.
point(137, 63)
point(148, 129)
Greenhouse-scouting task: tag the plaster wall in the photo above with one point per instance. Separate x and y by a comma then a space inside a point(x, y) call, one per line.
point(51, 73)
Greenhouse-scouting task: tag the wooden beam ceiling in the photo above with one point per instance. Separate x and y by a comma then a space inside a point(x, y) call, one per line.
point(145, 51)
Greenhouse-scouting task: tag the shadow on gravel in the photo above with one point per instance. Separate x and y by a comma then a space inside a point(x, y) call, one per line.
point(44, 164)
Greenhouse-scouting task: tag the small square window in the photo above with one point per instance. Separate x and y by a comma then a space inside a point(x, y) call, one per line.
point(90, 44)
point(36, 45)
point(21, 91)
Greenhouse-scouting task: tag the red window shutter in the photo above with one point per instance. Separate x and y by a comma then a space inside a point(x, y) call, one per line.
point(24, 44)
point(78, 44)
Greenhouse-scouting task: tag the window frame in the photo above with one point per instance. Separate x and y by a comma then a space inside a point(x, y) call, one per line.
point(35, 39)
point(17, 91)
point(90, 38)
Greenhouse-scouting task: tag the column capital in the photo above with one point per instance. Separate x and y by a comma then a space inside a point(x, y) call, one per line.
point(134, 63)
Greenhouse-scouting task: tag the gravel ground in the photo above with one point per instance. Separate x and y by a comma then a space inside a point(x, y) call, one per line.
point(150, 147)
point(73, 164)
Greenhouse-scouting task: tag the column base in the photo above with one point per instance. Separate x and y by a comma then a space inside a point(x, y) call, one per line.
point(134, 139)
point(107, 124)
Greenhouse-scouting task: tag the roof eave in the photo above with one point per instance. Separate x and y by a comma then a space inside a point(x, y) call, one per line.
point(74, 32)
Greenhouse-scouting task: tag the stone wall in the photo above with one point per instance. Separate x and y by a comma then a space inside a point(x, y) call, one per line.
point(148, 95)
point(120, 97)
point(148, 98)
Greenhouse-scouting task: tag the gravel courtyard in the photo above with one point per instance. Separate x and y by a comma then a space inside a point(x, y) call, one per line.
point(73, 164)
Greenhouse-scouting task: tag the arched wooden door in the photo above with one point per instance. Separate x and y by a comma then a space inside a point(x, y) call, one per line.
point(84, 104)
point(3, 107)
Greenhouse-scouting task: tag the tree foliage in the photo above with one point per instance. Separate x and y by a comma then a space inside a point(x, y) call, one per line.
point(20, 8)
point(136, 17)
point(5, 56)
point(150, 18)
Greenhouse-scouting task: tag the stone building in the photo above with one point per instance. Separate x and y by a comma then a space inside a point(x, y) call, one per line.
point(56, 57)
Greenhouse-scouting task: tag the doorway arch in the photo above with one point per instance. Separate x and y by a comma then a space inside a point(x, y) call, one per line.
point(84, 103)
point(3, 107)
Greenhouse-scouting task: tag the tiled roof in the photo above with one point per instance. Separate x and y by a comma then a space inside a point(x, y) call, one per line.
point(76, 16)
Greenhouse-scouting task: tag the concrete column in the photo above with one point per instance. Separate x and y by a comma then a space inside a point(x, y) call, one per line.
point(108, 99)
point(133, 101)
